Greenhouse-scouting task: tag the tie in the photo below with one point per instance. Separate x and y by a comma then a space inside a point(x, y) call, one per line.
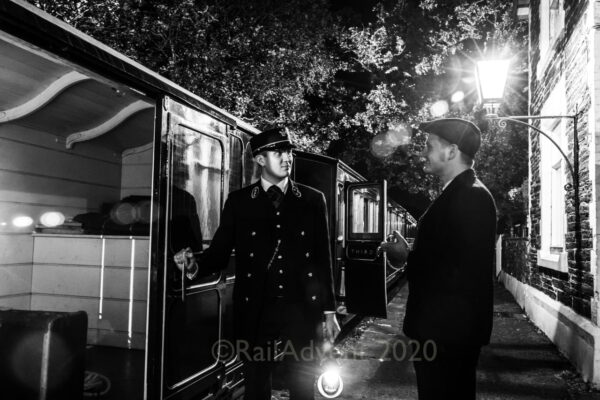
point(275, 195)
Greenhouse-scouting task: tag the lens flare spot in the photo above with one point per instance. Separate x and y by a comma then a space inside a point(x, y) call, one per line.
point(399, 134)
point(439, 108)
point(330, 383)
point(457, 97)
point(22, 221)
point(123, 213)
point(381, 147)
point(52, 218)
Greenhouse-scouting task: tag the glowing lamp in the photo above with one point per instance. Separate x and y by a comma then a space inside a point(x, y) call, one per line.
point(330, 382)
point(52, 218)
point(22, 221)
point(491, 78)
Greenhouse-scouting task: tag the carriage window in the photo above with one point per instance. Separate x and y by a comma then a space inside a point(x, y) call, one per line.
point(251, 174)
point(196, 189)
point(365, 215)
point(236, 170)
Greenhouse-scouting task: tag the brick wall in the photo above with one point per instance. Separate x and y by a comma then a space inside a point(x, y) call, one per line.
point(569, 57)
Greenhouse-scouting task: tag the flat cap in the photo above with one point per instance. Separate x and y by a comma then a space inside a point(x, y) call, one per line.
point(464, 134)
point(271, 139)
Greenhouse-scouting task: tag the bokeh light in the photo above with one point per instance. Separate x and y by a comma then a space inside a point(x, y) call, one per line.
point(399, 134)
point(22, 221)
point(123, 213)
point(458, 96)
point(52, 218)
point(386, 143)
point(381, 146)
point(439, 108)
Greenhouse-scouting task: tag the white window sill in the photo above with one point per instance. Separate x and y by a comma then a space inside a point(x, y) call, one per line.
point(558, 262)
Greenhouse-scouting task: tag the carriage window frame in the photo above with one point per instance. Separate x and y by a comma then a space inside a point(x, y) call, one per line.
point(236, 157)
point(219, 186)
point(371, 212)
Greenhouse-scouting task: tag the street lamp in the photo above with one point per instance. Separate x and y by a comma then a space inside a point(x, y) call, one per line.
point(491, 78)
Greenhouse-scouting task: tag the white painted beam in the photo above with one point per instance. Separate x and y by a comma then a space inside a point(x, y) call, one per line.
point(40, 100)
point(138, 149)
point(109, 124)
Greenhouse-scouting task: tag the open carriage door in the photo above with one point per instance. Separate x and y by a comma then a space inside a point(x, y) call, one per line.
point(192, 156)
point(365, 230)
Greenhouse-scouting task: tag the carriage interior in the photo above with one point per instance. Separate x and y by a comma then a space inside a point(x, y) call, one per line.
point(75, 184)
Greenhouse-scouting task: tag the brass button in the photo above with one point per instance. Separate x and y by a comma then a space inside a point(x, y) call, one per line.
point(310, 274)
point(307, 254)
point(281, 271)
point(249, 274)
point(246, 299)
point(302, 233)
point(280, 287)
point(253, 233)
point(278, 226)
point(251, 255)
point(314, 298)
point(277, 213)
point(279, 257)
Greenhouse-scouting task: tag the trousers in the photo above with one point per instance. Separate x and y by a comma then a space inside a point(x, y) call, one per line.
point(282, 326)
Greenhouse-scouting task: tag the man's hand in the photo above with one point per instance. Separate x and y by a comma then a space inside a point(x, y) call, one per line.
point(185, 260)
point(396, 250)
point(332, 328)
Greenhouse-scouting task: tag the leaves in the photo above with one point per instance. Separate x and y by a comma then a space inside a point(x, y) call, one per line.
point(334, 83)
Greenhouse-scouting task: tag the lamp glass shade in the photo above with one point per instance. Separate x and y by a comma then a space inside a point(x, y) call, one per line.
point(491, 79)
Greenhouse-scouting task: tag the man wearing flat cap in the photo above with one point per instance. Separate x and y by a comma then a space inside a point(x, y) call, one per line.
point(283, 290)
point(450, 267)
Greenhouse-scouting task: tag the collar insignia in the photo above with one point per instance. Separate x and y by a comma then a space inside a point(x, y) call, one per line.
point(295, 189)
point(254, 193)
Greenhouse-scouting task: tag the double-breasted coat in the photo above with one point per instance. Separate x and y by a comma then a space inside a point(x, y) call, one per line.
point(450, 270)
point(288, 245)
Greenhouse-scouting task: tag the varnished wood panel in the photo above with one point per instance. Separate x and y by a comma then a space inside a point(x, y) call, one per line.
point(35, 137)
point(68, 280)
point(136, 176)
point(30, 159)
point(15, 279)
point(117, 281)
point(118, 252)
point(16, 249)
point(19, 302)
point(68, 251)
point(89, 194)
point(24, 74)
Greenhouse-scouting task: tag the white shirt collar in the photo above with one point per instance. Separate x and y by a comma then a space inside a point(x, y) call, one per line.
point(447, 183)
point(283, 185)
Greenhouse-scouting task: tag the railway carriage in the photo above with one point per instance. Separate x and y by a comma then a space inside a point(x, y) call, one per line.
point(102, 163)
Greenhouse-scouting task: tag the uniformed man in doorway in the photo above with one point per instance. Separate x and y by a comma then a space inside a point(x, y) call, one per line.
point(283, 289)
point(450, 268)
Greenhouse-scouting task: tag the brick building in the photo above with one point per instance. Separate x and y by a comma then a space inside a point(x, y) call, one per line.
point(559, 294)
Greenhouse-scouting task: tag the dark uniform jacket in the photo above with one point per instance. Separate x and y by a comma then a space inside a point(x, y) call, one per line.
point(287, 247)
point(450, 270)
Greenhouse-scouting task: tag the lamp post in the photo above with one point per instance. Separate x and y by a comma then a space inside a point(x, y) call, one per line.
point(491, 76)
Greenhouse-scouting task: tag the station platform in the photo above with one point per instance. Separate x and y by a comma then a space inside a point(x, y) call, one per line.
point(520, 363)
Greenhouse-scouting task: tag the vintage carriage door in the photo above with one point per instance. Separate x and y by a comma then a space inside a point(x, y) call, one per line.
point(366, 215)
point(192, 310)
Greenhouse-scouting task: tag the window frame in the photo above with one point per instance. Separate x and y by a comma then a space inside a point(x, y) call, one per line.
point(552, 253)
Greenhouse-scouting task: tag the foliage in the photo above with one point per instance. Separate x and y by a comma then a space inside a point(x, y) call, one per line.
point(338, 85)
point(260, 60)
point(418, 52)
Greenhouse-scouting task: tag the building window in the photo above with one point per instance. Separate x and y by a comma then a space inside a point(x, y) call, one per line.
point(552, 22)
point(553, 170)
